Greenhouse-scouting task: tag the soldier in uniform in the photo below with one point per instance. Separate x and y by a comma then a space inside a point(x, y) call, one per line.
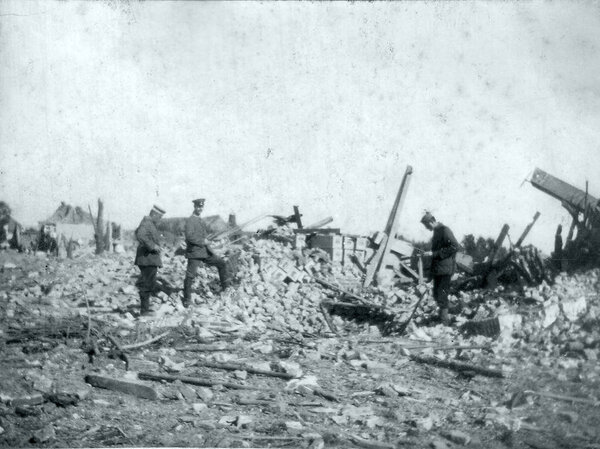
point(443, 254)
point(147, 257)
point(198, 251)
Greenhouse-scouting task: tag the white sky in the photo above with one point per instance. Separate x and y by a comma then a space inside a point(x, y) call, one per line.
point(260, 106)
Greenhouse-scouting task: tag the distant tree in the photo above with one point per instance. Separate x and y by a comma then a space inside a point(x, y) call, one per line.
point(480, 248)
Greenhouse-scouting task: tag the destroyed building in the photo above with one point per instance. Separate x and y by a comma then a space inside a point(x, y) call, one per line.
point(72, 223)
point(326, 340)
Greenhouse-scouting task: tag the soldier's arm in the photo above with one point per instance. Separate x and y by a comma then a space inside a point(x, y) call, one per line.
point(451, 246)
point(145, 238)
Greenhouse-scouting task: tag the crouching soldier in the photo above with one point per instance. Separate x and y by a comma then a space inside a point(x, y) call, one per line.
point(147, 257)
point(198, 252)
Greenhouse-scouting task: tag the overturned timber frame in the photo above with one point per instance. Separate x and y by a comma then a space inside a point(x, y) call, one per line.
point(579, 200)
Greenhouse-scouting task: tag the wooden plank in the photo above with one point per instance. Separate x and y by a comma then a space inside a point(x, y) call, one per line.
point(123, 386)
point(195, 381)
point(375, 261)
point(240, 367)
point(314, 230)
point(457, 366)
point(321, 223)
point(410, 271)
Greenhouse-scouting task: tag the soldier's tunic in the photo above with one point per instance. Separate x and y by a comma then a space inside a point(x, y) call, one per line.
point(197, 252)
point(444, 248)
point(147, 258)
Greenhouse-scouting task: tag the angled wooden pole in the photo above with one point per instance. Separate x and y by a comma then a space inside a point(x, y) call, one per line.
point(390, 229)
point(527, 229)
point(498, 244)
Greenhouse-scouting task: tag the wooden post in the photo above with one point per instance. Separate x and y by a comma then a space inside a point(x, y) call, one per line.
point(527, 229)
point(390, 229)
point(297, 217)
point(420, 267)
point(108, 237)
point(498, 244)
point(99, 228)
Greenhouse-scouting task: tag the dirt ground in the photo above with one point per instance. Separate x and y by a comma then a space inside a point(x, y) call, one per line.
point(377, 395)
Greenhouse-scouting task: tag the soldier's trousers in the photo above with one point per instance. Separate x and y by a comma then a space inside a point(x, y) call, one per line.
point(146, 285)
point(211, 260)
point(441, 288)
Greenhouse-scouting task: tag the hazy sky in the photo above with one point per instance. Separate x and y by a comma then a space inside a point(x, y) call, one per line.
point(260, 106)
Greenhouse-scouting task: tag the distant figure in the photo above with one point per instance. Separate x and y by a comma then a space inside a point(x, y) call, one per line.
point(558, 248)
point(147, 257)
point(443, 253)
point(198, 252)
point(48, 240)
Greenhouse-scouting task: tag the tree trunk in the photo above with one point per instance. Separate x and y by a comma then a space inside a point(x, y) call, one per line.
point(99, 228)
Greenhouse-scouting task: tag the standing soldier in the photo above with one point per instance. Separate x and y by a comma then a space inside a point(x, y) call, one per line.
point(443, 253)
point(198, 251)
point(147, 257)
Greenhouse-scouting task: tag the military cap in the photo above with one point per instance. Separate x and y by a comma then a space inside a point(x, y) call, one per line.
point(158, 210)
point(198, 202)
point(427, 217)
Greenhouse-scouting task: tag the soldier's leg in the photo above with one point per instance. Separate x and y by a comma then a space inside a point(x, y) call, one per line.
point(441, 288)
point(148, 279)
point(223, 268)
point(190, 275)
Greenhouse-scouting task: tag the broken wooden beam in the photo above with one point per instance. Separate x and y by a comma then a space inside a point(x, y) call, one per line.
point(327, 284)
point(390, 228)
point(297, 217)
point(119, 351)
point(457, 366)
point(351, 304)
point(375, 262)
point(195, 381)
point(594, 402)
point(241, 367)
point(146, 342)
point(497, 244)
point(124, 386)
point(330, 324)
point(404, 325)
point(410, 271)
point(370, 444)
point(563, 191)
point(527, 229)
point(321, 223)
point(209, 347)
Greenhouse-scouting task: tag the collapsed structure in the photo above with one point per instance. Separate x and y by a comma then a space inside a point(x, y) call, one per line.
point(582, 246)
point(311, 307)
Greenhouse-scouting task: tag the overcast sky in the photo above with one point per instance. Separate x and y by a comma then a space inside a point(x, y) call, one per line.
point(261, 106)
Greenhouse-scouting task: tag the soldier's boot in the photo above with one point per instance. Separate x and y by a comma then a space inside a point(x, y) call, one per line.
point(187, 292)
point(145, 304)
point(225, 276)
point(444, 318)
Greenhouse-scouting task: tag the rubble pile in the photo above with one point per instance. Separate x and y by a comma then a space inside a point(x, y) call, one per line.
point(275, 285)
